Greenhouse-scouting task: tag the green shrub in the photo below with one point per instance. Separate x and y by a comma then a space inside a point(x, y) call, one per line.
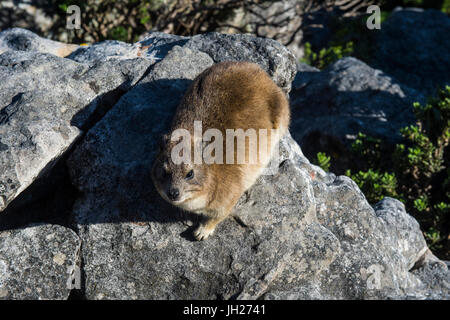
point(118, 33)
point(384, 15)
point(323, 161)
point(446, 7)
point(326, 56)
point(354, 30)
point(415, 171)
point(375, 184)
point(368, 150)
point(413, 3)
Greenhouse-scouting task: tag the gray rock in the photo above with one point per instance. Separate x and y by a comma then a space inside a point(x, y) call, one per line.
point(269, 54)
point(330, 107)
point(297, 234)
point(303, 76)
point(18, 39)
point(278, 61)
point(158, 44)
point(411, 47)
point(106, 50)
point(36, 262)
point(434, 275)
point(45, 104)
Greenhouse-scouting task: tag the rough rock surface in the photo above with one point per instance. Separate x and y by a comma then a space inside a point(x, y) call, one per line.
point(45, 103)
point(36, 262)
point(274, 58)
point(330, 107)
point(24, 40)
point(297, 234)
point(269, 54)
point(411, 47)
point(106, 50)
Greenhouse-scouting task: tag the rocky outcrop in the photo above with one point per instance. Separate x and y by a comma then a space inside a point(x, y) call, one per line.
point(24, 40)
point(297, 234)
point(47, 102)
point(278, 61)
point(38, 262)
point(331, 106)
point(408, 63)
point(411, 48)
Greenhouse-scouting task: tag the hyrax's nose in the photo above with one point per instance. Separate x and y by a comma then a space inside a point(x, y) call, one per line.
point(174, 193)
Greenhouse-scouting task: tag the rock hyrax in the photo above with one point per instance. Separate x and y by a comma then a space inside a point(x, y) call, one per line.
point(228, 95)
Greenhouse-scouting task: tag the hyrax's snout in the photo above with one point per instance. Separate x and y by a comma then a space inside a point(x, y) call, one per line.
point(173, 194)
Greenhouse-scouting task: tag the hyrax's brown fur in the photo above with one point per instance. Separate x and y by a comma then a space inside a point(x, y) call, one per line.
point(228, 95)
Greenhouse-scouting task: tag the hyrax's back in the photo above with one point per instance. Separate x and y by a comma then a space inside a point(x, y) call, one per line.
point(228, 95)
point(231, 95)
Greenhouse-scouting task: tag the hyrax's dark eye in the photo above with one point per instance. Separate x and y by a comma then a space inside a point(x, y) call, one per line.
point(190, 175)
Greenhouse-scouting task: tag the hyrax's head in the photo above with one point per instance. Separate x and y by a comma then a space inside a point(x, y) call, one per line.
point(177, 183)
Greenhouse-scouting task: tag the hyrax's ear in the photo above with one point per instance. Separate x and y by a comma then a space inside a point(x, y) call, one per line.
point(163, 141)
point(165, 138)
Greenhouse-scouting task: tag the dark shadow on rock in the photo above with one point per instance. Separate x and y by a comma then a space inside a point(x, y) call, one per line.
point(49, 199)
point(50, 196)
point(131, 196)
point(86, 119)
point(410, 49)
point(328, 121)
point(302, 78)
point(316, 29)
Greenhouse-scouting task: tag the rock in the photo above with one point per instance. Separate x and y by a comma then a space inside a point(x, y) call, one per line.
point(36, 262)
point(434, 275)
point(269, 54)
point(274, 58)
point(411, 47)
point(330, 107)
point(303, 76)
point(87, 88)
point(297, 234)
point(23, 40)
point(106, 50)
point(45, 104)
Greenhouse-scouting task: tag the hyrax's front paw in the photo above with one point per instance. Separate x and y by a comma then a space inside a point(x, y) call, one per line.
point(203, 232)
